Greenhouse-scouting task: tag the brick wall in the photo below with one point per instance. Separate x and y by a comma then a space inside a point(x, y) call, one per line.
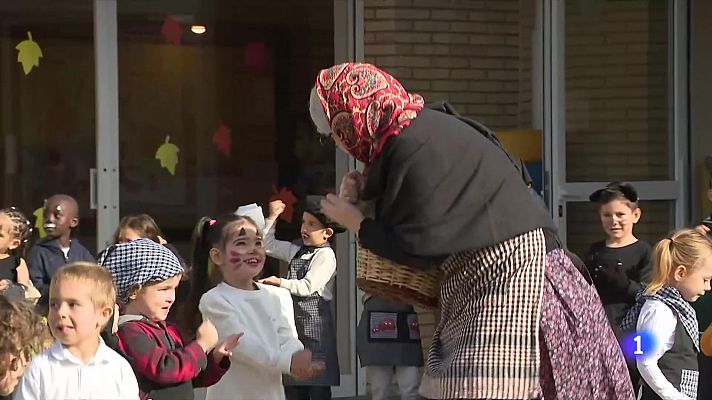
point(475, 54)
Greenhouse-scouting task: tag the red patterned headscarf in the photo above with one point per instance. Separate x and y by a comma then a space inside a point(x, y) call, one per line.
point(365, 106)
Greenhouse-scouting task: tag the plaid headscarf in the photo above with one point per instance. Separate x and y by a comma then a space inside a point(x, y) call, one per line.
point(365, 106)
point(138, 262)
point(672, 298)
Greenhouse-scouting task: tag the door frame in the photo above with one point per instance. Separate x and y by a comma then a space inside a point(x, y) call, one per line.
point(559, 191)
point(348, 46)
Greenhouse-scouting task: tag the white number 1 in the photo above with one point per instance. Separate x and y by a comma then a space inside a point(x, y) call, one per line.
point(637, 351)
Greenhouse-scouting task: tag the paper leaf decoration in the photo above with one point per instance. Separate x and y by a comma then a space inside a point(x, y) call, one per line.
point(256, 55)
point(172, 30)
point(288, 199)
point(28, 53)
point(222, 139)
point(39, 221)
point(167, 154)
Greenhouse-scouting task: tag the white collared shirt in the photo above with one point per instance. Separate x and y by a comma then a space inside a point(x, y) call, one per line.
point(322, 265)
point(57, 374)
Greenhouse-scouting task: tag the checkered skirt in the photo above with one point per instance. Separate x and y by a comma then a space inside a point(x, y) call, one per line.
point(486, 344)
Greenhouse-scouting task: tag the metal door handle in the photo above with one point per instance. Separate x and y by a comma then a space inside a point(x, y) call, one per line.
point(92, 188)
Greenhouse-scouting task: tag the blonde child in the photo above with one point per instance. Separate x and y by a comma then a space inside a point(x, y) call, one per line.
point(79, 365)
point(268, 348)
point(22, 333)
point(682, 270)
point(14, 232)
point(166, 366)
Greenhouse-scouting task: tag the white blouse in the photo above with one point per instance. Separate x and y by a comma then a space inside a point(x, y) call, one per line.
point(266, 348)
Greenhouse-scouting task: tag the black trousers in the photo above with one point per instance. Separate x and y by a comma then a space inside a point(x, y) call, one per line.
point(307, 392)
point(704, 385)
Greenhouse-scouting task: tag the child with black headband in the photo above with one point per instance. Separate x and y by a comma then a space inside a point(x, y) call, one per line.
point(618, 264)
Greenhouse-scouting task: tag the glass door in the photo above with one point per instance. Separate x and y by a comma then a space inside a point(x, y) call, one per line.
point(212, 103)
point(47, 104)
point(618, 112)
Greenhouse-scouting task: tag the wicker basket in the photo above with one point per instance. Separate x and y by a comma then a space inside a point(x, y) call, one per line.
point(384, 278)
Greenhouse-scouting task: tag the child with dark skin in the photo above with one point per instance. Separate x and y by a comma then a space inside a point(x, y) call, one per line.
point(61, 216)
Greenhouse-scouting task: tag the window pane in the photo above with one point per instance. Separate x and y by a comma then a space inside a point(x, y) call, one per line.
point(47, 127)
point(616, 67)
point(583, 227)
point(249, 74)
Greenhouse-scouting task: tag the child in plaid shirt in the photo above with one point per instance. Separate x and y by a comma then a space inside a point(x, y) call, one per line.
point(146, 276)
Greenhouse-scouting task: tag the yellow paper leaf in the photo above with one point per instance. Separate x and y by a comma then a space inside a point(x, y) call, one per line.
point(28, 54)
point(167, 154)
point(39, 221)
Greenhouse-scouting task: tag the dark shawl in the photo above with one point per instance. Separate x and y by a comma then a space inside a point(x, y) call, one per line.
point(442, 187)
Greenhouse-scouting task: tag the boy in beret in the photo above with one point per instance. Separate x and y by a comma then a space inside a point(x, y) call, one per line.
point(310, 280)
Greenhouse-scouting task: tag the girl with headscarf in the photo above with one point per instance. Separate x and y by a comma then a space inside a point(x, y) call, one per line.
point(518, 318)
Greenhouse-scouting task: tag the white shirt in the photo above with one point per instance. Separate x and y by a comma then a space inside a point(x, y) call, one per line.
point(57, 374)
point(266, 348)
point(659, 320)
point(322, 266)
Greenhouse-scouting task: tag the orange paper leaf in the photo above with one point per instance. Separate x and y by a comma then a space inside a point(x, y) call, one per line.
point(172, 30)
point(222, 139)
point(288, 199)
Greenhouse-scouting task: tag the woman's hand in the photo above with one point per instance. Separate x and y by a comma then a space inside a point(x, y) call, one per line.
point(342, 212)
point(351, 187)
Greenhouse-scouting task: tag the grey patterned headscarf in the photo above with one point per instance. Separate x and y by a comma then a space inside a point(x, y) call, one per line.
point(138, 262)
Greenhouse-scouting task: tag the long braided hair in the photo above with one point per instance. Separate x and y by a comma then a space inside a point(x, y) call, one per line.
point(21, 229)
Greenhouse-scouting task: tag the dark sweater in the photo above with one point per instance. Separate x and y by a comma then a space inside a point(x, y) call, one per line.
point(46, 257)
point(618, 273)
point(441, 187)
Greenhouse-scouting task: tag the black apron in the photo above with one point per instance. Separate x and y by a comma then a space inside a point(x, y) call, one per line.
point(315, 326)
point(388, 334)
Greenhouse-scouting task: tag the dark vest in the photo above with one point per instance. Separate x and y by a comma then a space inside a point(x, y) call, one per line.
point(315, 326)
point(679, 365)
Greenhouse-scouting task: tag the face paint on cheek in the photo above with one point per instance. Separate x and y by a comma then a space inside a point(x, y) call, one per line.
point(235, 257)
